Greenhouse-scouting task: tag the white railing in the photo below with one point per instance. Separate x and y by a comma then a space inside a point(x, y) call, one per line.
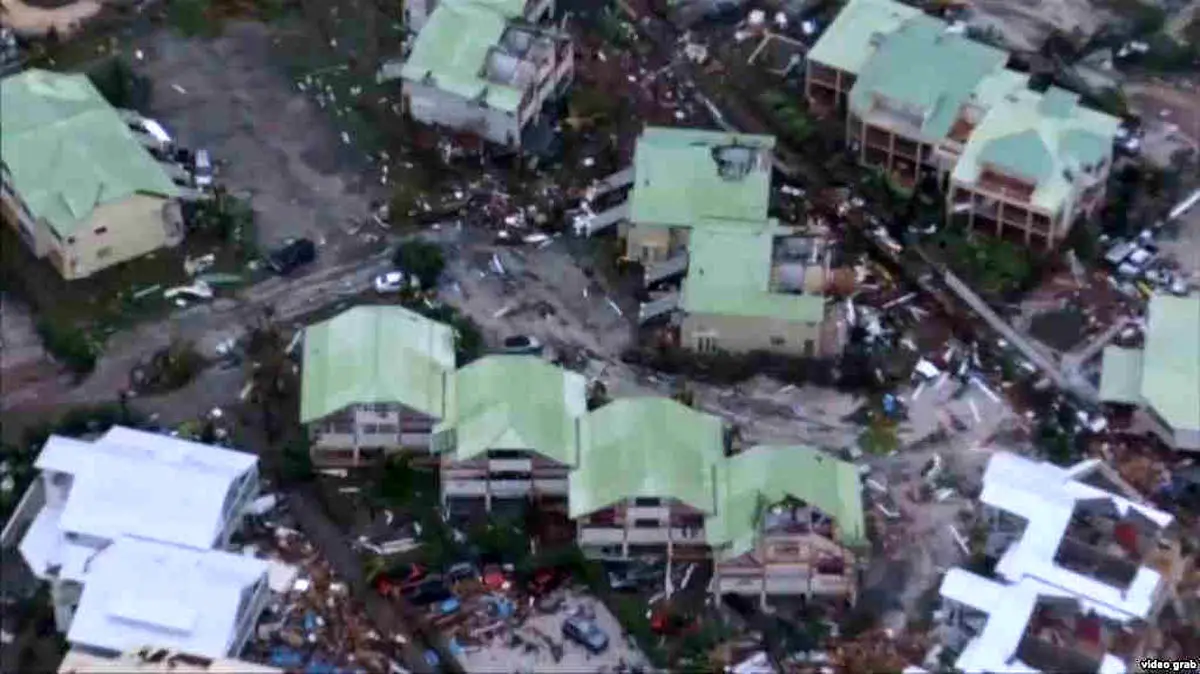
point(510, 465)
point(601, 535)
point(464, 487)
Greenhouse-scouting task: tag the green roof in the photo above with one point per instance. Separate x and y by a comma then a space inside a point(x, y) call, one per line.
point(646, 447)
point(926, 70)
point(69, 151)
point(516, 402)
point(679, 181)
point(452, 49)
point(847, 43)
point(729, 273)
point(1025, 135)
point(767, 475)
point(1121, 376)
point(376, 354)
point(1171, 360)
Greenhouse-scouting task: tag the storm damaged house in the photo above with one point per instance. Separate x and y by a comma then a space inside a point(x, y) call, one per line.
point(486, 68)
point(789, 522)
point(696, 208)
point(375, 380)
point(1083, 567)
point(920, 98)
point(129, 531)
point(510, 436)
point(1162, 379)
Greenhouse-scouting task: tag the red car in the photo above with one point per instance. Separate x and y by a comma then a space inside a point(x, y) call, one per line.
point(546, 581)
point(389, 583)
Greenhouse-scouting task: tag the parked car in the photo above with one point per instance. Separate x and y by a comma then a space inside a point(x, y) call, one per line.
point(292, 256)
point(462, 571)
point(547, 580)
point(392, 580)
point(522, 344)
point(586, 633)
point(428, 591)
point(202, 169)
point(391, 282)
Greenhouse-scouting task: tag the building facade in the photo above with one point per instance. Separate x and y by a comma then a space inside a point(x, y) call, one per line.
point(127, 484)
point(920, 98)
point(75, 183)
point(485, 68)
point(375, 381)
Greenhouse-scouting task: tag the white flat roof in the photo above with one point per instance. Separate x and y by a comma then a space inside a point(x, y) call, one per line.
point(1045, 496)
point(141, 592)
point(1009, 608)
point(131, 482)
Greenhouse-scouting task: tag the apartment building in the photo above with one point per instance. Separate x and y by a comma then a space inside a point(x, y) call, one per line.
point(417, 12)
point(1162, 379)
point(375, 381)
point(510, 435)
point(116, 495)
point(759, 291)
point(1082, 567)
point(192, 600)
point(157, 661)
point(921, 98)
point(646, 478)
point(480, 67)
point(75, 183)
point(789, 522)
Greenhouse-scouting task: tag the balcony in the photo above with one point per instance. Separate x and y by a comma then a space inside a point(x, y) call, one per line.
point(22, 518)
point(331, 440)
point(601, 535)
point(659, 513)
point(474, 488)
point(643, 536)
point(552, 487)
point(510, 466)
point(510, 488)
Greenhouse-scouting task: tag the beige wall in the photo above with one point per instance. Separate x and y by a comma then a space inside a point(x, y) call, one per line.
point(649, 244)
point(130, 228)
point(740, 334)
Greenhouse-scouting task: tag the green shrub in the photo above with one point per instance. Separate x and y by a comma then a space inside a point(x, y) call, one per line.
point(422, 259)
point(120, 85)
point(68, 345)
point(191, 17)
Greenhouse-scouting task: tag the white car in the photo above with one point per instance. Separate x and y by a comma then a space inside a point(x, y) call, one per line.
point(391, 282)
point(202, 169)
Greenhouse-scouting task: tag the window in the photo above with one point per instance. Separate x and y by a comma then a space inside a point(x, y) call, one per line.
point(104, 252)
point(647, 502)
point(506, 454)
point(809, 348)
point(101, 231)
point(647, 524)
point(706, 343)
point(689, 521)
point(369, 429)
point(777, 341)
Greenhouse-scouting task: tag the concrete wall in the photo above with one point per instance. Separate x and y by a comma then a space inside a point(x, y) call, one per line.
point(432, 106)
point(121, 231)
point(739, 334)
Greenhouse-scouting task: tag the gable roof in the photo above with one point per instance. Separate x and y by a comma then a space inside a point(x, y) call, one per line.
point(848, 42)
point(1048, 142)
point(141, 592)
point(1121, 376)
point(453, 46)
point(729, 273)
point(376, 354)
point(646, 447)
point(68, 150)
point(679, 180)
point(516, 402)
point(927, 69)
point(1171, 360)
point(766, 473)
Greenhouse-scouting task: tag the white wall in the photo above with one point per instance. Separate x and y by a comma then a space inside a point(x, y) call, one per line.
point(429, 105)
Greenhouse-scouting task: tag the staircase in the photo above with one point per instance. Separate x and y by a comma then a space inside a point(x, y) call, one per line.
point(615, 181)
point(666, 269)
point(606, 219)
point(658, 306)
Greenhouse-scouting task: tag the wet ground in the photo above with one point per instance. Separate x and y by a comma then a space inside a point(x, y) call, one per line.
point(270, 140)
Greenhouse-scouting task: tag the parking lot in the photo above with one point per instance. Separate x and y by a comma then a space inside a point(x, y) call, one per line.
point(269, 140)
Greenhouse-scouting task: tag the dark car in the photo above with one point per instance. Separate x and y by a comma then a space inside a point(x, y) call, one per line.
point(586, 633)
point(462, 571)
point(292, 256)
point(522, 344)
point(428, 591)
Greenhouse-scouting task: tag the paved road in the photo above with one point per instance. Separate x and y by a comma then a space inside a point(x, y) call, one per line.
point(204, 325)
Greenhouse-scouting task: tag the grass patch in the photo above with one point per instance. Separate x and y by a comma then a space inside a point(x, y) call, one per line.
point(69, 345)
point(994, 266)
point(786, 115)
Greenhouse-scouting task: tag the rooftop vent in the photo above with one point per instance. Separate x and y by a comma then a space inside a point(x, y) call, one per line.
point(734, 162)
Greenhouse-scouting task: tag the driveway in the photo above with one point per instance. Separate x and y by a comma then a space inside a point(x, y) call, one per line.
point(231, 95)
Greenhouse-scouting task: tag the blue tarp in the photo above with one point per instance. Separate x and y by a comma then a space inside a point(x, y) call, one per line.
point(286, 658)
point(449, 606)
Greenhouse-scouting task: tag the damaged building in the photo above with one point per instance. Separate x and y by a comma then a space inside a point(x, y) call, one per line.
point(920, 98)
point(1082, 570)
point(375, 381)
point(157, 661)
point(129, 531)
point(1162, 379)
point(697, 208)
point(78, 185)
point(510, 435)
point(486, 68)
